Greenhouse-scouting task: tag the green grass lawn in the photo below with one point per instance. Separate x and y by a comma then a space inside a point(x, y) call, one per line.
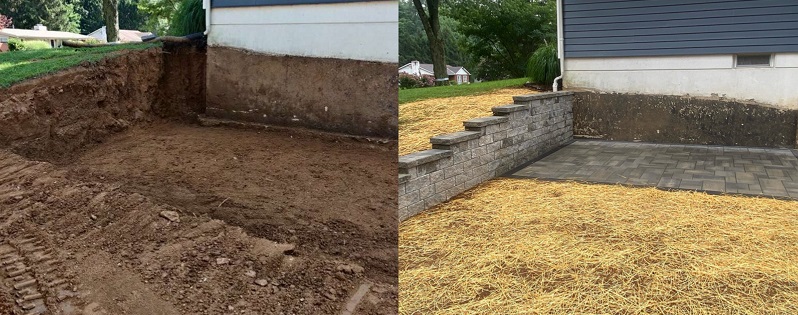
point(412, 95)
point(16, 66)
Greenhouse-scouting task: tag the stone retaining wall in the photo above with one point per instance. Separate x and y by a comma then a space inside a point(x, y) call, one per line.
point(490, 146)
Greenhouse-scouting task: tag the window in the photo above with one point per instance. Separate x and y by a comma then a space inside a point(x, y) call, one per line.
point(759, 60)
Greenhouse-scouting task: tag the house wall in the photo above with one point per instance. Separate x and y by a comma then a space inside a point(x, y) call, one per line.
point(682, 47)
point(323, 66)
point(697, 75)
point(360, 30)
point(621, 28)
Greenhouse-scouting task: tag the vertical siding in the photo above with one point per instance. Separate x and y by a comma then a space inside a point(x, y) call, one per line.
point(622, 28)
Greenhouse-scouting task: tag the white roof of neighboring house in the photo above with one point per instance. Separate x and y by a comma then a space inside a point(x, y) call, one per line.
point(36, 34)
point(428, 68)
point(126, 36)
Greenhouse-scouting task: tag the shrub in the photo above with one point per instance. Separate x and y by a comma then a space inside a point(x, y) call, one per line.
point(409, 81)
point(543, 66)
point(189, 18)
point(15, 44)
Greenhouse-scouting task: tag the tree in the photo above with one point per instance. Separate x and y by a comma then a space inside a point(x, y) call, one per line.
point(501, 35)
point(159, 13)
point(430, 19)
point(111, 18)
point(413, 43)
point(57, 15)
point(130, 18)
point(5, 21)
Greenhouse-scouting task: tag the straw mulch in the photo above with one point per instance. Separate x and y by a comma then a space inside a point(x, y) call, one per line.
point(529, 247)
point(418, 121)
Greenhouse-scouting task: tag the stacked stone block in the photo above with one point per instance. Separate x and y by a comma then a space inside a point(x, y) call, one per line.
point(489, 147)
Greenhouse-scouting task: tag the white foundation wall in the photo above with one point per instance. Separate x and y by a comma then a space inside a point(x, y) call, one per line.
point(707, 75)
point(358, 30)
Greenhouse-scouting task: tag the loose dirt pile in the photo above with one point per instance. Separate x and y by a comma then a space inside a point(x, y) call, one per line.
point(178, 219)
point(524, 246)
point(418, 121)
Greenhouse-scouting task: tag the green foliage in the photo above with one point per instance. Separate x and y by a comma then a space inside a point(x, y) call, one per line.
point(16, 44)
point(58, 15)
point(16, 66)
point(91, 16)
point(413, 40)
point(130, 18)
point(159, 13)
point(500, 35)
point(188, 19)
point(412, 95)
point(544, 66)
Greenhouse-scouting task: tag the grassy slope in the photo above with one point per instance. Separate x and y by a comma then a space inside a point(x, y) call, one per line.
point(18, 66)
point(411, 95)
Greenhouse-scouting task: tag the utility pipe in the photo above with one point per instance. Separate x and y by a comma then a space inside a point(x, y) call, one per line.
point(206, 4)
point(560, 46)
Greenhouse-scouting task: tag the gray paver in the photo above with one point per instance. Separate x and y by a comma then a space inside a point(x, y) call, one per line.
point(756, 171)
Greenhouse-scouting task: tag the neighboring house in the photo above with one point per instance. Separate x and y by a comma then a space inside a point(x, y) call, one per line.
point(40, 32)
point(456, 74)
point(125, 36)
point(738, 49)
point(324, 64)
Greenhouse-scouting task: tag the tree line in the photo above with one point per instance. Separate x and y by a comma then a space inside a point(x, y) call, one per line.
point(494, 39)
point(86, 16)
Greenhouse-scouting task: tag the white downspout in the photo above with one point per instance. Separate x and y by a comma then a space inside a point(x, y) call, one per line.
point(206, 4)
point(560, 46)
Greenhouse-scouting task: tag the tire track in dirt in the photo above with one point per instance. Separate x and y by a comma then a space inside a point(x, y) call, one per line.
point(32, 277)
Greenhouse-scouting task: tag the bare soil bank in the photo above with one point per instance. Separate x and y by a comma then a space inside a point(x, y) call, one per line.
point(53, 116)
point(347, 96)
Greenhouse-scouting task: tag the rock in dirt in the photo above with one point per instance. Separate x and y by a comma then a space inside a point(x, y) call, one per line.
point(222, 261)
point(251, 273)
point(262, 282)
point(350, 268)
point(172, 216)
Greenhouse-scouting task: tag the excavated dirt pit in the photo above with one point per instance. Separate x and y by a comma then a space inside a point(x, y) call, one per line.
point(316, 215)
point(107, 206)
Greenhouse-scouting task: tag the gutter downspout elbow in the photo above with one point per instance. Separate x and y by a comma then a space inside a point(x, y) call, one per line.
point(206, 4)
point(560, 46)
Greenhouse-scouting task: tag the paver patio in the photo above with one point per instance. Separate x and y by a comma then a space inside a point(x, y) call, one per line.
point(717, 169)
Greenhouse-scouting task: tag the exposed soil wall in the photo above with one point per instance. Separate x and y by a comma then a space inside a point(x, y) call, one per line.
point(682, 119)
point(182, 83)
point(57, 114)
point(348, 96)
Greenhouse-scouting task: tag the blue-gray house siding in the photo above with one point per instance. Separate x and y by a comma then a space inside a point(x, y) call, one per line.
point(623, 28)
point(255, 3)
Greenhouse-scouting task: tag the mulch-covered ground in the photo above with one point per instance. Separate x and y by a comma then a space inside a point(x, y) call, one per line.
point(418, 121)
point(513, 246)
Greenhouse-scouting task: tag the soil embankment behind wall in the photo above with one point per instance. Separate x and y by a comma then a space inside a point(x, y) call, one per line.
point(682, 119)
point(52, 116)
point(347, 96)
